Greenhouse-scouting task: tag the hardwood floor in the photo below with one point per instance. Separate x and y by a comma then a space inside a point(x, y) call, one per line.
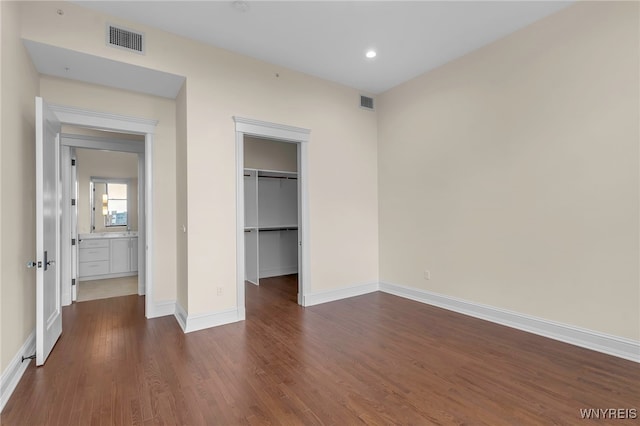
point(372, 359)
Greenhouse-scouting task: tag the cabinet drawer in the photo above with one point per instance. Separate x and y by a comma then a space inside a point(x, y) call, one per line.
point(88, 269)
point(93, 243)
point(93, 254)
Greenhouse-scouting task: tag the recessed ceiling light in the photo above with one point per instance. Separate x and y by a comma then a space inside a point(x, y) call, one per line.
point(370, 54)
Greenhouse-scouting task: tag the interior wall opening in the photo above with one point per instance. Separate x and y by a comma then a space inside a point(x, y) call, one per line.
point(271, 211)
point(102, 173)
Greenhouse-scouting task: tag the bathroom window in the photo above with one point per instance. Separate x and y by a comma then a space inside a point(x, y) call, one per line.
point(110, 203)
point(116, 204)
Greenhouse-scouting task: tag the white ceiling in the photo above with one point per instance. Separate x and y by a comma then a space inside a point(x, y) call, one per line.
point(327, 39)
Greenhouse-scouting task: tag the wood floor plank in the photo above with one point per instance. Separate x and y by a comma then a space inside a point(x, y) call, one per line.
point(372, 359)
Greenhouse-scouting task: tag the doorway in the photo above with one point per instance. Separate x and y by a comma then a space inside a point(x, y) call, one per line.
point(264, 131)
point(103, 197)
point(104, 217)
point(271, 216)
point(144, 130)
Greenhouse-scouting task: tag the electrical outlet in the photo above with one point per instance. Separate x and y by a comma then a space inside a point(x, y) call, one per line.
point(427, 274)
point(219, 291)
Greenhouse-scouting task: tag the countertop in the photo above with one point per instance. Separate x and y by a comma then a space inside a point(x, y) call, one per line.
point(96, 235)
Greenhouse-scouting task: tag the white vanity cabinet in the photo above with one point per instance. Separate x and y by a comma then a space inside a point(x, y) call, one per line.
point(119, 255)
point(134, 254)
point(93, 257)
point(107, 256)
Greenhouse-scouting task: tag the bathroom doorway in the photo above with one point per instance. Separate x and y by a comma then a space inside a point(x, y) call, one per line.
point(102, 178)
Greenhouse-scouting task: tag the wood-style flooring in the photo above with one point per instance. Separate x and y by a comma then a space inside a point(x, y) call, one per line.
point(372, 359)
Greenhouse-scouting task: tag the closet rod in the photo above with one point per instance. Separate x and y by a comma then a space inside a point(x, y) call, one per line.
point(277, 229)
point(278, 177)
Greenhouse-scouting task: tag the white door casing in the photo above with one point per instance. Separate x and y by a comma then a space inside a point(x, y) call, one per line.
point(48, 297)
point(284, 133)
point(74, 225)
point(134, 125)
point(67, 257)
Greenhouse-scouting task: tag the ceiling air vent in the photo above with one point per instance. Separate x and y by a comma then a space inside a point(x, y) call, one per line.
point(124, 38)
point(366, 102)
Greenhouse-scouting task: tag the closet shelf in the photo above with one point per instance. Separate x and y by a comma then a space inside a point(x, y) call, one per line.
point(271, 228)
point(277, 177)
point(278, 228)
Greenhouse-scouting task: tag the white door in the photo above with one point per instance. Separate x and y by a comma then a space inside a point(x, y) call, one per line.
point(48, 295)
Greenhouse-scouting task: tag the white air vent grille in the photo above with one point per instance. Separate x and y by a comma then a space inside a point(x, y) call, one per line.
point(124, 38)
point(366, 102)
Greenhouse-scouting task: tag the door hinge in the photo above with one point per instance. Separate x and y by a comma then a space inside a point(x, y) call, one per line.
point(73, 281)
point(73, 201)
point(73, 241)
point(73, 161)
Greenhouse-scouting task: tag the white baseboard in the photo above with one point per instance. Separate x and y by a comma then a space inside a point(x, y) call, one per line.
point(589, 339)
point(161, 309)
point(317, 298)
point(190, 323)
point(16, 368)
point(181, 317)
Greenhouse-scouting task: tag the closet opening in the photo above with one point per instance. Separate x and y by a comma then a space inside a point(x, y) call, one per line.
point(271, 210)
point(272, 236)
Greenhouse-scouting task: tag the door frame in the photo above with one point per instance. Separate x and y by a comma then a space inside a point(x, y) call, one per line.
point(126, 124)
point(75, 141)
point(282, 133)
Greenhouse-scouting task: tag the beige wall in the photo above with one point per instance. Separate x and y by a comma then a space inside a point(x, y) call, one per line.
point(270, 155)
point(220, 84)
point(182, 199)
point(2, 83)
point(2, 354)
point(343, 242)
point(99, 98)
point(19, 85)
point(512, 173)
point(104, 164)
